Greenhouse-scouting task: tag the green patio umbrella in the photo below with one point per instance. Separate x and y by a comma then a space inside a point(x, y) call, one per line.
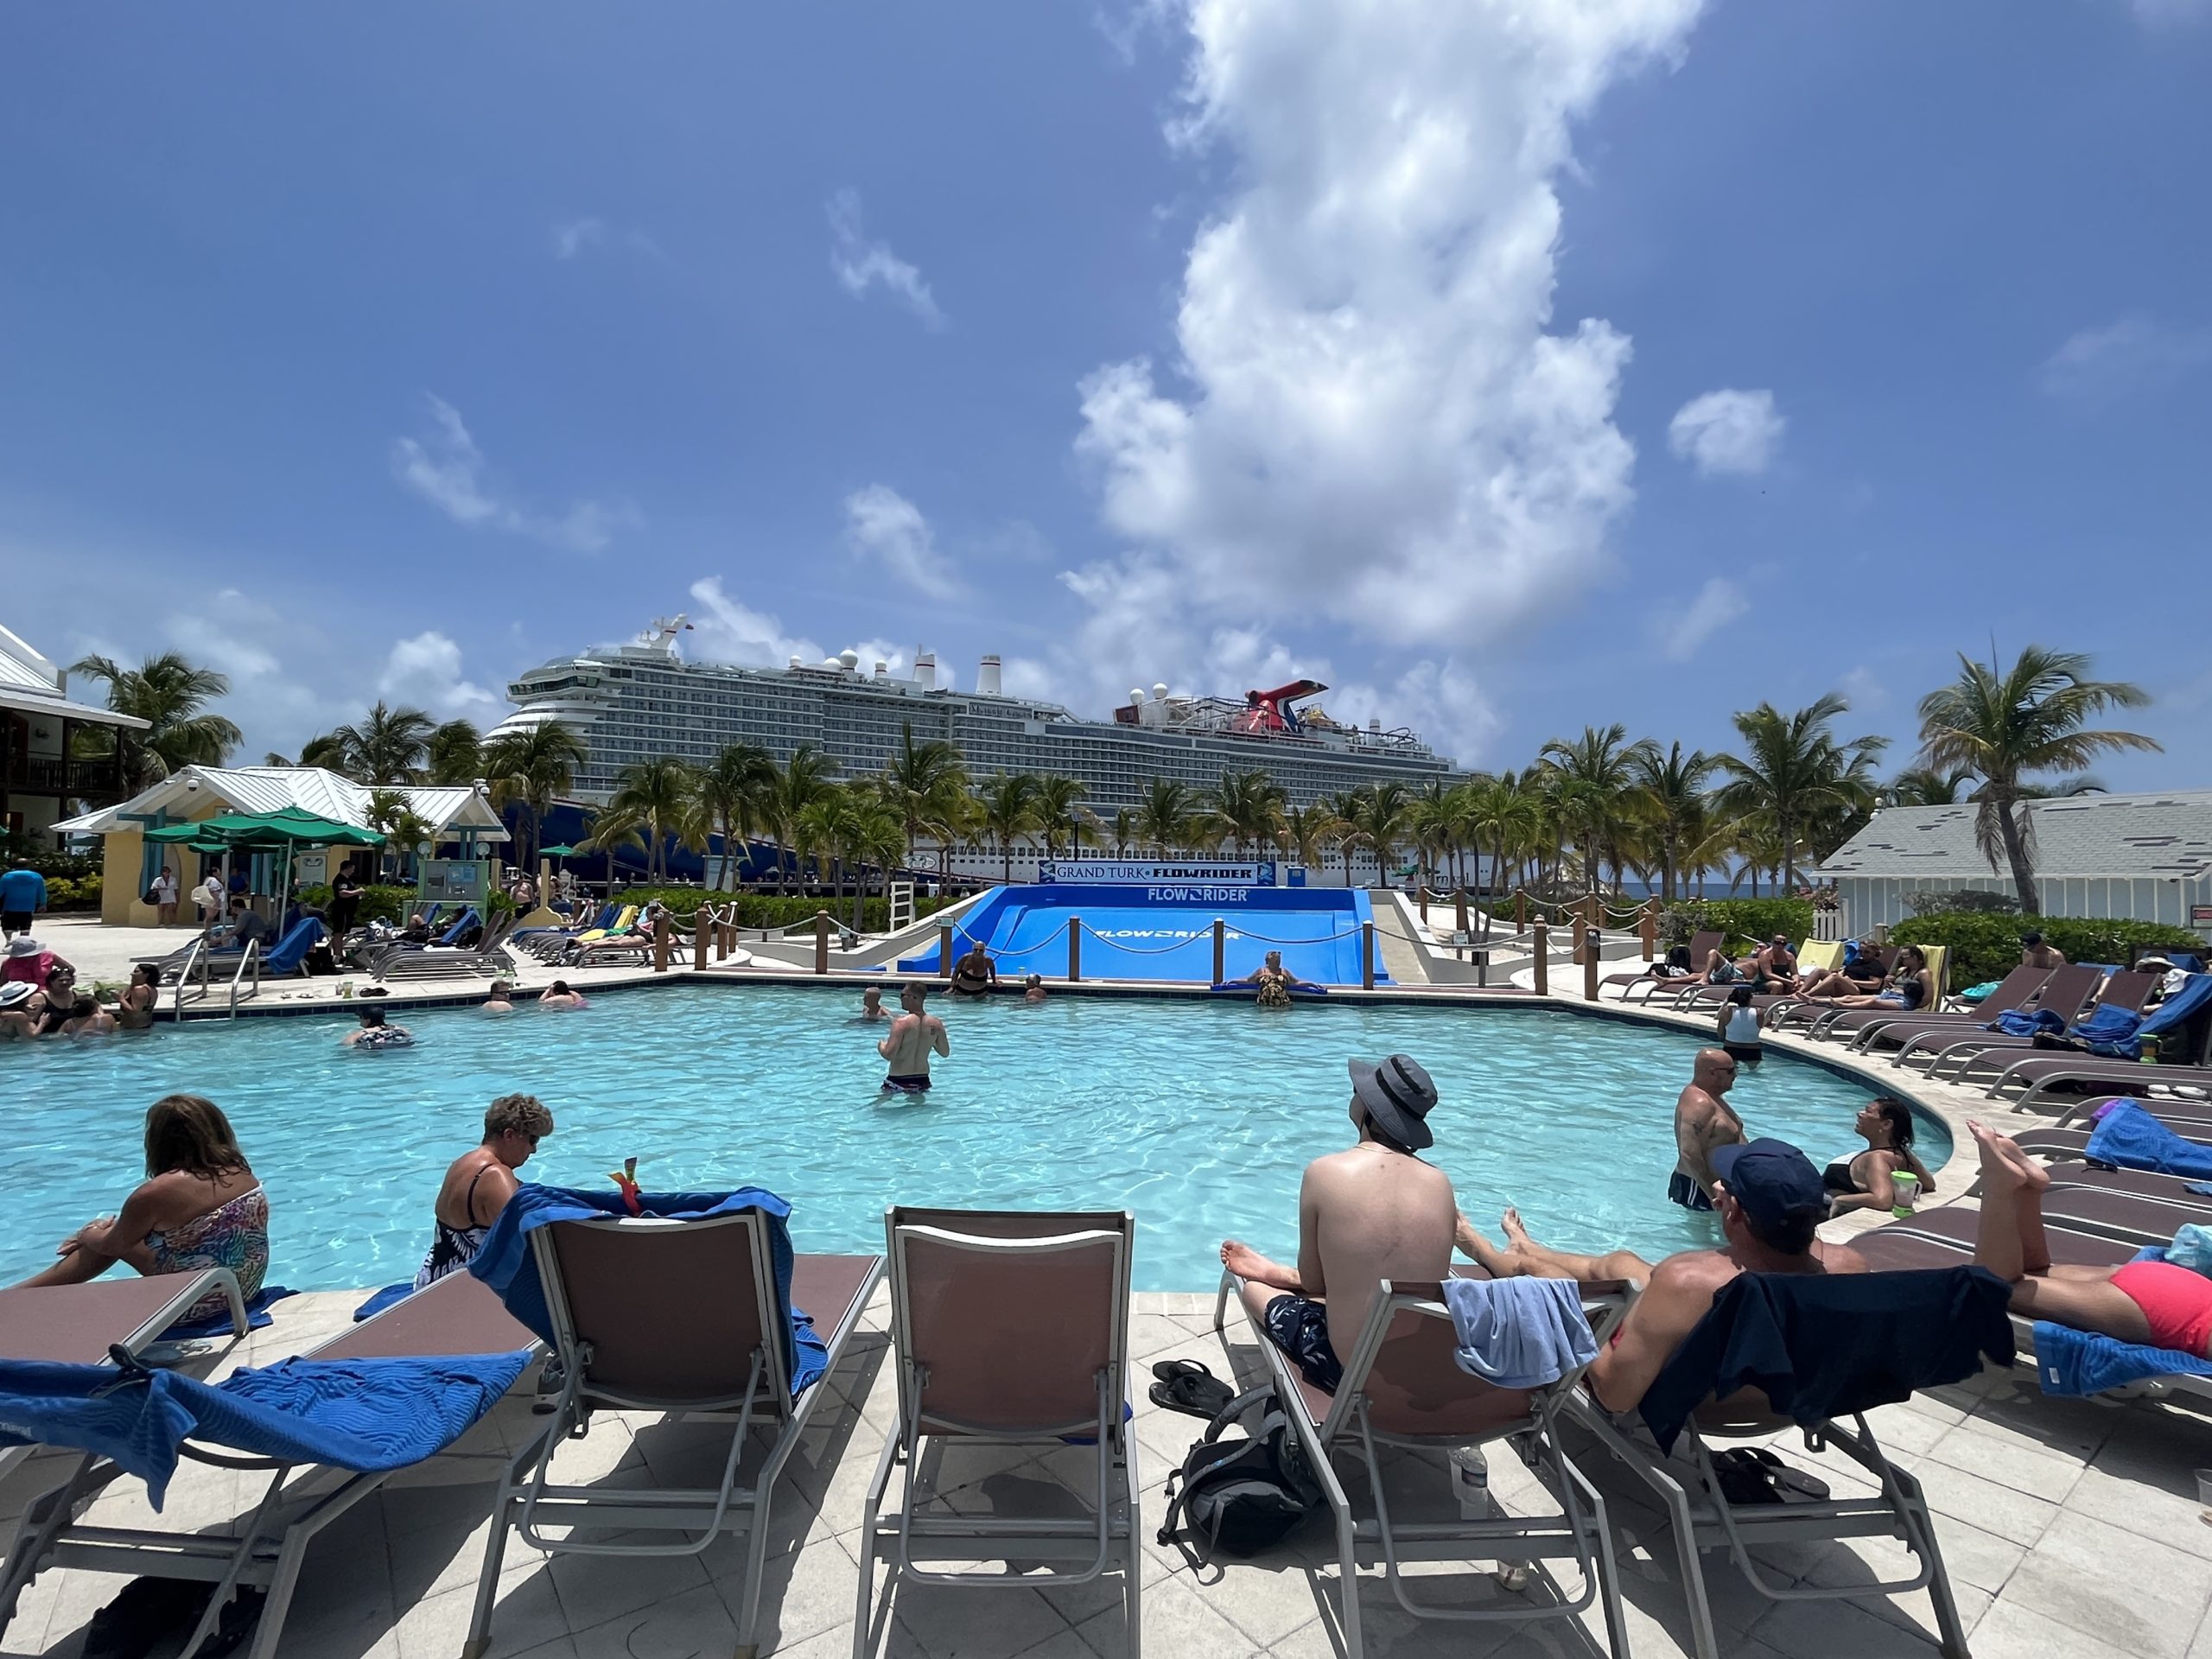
point(555, 852)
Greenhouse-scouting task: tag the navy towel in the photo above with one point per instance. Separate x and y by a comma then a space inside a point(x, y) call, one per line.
point(505, 1262)
point(1822, 1345)
point(366, 1415)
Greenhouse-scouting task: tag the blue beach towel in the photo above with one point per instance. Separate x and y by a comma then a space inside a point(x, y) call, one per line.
point(2026, 1022)
point(505, 1262)
point(379, 1300)
point(2070, 1363)
point(1519, 1333)
point(365, 1414)
point(2127, 1137)
point(2113, 1033)
point(218, 1324)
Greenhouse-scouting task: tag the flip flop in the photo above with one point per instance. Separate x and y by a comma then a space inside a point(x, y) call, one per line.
point(1187, 1386)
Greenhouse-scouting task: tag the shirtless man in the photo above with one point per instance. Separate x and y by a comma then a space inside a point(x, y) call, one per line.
point(1033, 989)
point(479, 1183)
point(872, 1004)
point(88, 1018)
point(2034, 953)
point(1704, 1122)
point(501, 999)
point(1770, 1199)
point(913, 1037)
point(559, 999)
point(974, 974)
point(1373, 1212)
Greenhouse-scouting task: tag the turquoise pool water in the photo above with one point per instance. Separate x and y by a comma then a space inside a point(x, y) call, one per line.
point(1197, 1117)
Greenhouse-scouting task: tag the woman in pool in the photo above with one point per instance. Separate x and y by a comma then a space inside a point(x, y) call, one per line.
point(134, 1010)
point(480, 1183)
point(2155, 1303)
point(1737, 1026)
point(1862, 1181)
point(199, 1206)
point(375, 1033)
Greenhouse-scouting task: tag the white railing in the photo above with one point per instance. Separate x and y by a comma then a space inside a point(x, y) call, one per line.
point(251, 959)
point(898, 904)
point(195, 958)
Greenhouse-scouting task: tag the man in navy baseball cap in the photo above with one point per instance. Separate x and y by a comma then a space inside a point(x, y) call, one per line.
point(1768, 1198)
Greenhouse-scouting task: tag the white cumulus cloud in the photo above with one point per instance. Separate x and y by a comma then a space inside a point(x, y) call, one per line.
point(446, 468)
point(1369, 415)
point(1727, 432)
point(2123, 356)
point(1681, 629)
point(425, 671)
point(885, 527)
point(726, 630)
point(861, 264)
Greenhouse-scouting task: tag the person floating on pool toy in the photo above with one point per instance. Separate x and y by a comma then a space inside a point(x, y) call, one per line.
point(375, 1033)
point(625, 1179)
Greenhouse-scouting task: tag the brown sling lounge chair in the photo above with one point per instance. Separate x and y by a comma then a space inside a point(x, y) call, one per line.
point(682, 1316)
point(1992, 1050)
point(1402, 1388)
point(1702, 945)
point(1869, 1027)
point(266, 1548)
point(1009, 1328)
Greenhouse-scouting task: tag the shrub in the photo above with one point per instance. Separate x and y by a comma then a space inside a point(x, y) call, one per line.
point(770, 909)
point(1985, 947)
point(1746, 923)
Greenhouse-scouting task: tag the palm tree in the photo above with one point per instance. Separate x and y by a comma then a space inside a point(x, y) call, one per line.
point(1059, 806)
point(1501, 810)
point(2005, 724)
point(1925, 787)
point(1009, 804)
point(1307, 832)
point(1340, 825)
point(170, 695)
point(1794, 769)
point(820, 830)
point(456, 753)
point(534, 766)
point(658, 799)
point(1595, 773)
point(1164, 816)
point(390, 812)
point(1124, 831)
point(1247, 807)
point(1673, 796)
point(874, 834)
point(388, 747)
point(918, 780)
point(733, 791)
point(803, 777)
point(1385, 815)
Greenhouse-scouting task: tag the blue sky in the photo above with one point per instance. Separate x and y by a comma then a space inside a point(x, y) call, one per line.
point(1507, 368)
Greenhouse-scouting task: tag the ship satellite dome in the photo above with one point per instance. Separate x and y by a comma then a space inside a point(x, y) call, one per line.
point(1136, 694)
point(849, 660)
point(1160, 691)
point(796, 662)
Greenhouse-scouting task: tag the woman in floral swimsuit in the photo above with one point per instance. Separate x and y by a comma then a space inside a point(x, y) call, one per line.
point(199, 1206)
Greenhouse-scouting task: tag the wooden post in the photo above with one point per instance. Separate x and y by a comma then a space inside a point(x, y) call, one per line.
point(1520, 909)
point(725, 940)
point(821, 941)
point(1593, 911)
point(1367, 956)
point(1461, 924)
point(1543, 960)
point(1075, 950)
point(1220, 950)
point(663, 927)
point(699, 939)
point(944, 950)
point(1590, 969)
point(1650, 928)
point(1574, 927)
point(1421, 893)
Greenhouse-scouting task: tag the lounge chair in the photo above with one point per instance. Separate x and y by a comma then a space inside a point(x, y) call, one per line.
point(696, 1306)
point(1794, 1311)
point(284, 1424)
point(1835, 1023)
point(1806, 1011)
point(2016, 990)
point(1702, 945)
point(1990, 1051)
point(1402, 1388)
point(1008, 1328)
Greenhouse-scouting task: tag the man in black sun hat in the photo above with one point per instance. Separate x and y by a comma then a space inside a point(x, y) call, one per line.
point(1371, 1213)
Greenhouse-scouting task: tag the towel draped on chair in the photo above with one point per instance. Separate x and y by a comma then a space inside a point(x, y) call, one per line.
point(365, 1414)
point(1519, 1333)
point(2127, 1137)
point(507, 1265)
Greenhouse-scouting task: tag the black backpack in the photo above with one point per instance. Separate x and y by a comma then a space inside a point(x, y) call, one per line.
point(1239, 1496)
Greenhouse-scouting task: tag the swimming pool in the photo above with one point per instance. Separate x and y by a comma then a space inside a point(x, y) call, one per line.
point(1198, 1116)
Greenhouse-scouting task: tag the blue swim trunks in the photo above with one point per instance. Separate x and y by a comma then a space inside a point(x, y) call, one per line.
point(1300, 1327)
point(1685, 1190)
point(919, 1084)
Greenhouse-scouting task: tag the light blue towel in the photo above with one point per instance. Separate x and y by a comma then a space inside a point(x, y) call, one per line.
point(2071, 1363)
point(1519, 1333)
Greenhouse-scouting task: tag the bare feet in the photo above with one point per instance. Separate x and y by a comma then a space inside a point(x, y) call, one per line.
point(2003, 1161)
point(1511, 1222)
point(1242, 1259)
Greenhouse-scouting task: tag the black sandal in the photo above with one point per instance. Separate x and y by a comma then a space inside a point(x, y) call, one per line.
point(1187, 1386)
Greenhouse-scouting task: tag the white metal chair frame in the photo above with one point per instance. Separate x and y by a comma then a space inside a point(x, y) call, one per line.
point(1580, 1534)
point(1008, 1538)
point(729, 1507)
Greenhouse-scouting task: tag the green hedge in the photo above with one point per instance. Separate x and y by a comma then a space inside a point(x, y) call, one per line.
point(81, 893)
point(1985, 947)
point(767, 910)
point(1747, 923)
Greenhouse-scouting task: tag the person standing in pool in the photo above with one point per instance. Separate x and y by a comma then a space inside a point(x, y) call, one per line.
point(872, 1007)
point(913, 1037)
point(501, 999)
point(373, 1032)
point(974, 974)
point(1372, 1212)
point(557, 998)
point(1704, 1122)
point(479, 1182)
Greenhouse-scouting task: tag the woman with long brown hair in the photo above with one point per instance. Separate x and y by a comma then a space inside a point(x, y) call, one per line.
point(199, 1206)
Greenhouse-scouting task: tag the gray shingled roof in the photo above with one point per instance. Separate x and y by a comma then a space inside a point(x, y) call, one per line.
point(2164, 836)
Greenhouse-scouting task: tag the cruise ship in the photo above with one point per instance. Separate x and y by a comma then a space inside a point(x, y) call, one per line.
point(642, 700)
